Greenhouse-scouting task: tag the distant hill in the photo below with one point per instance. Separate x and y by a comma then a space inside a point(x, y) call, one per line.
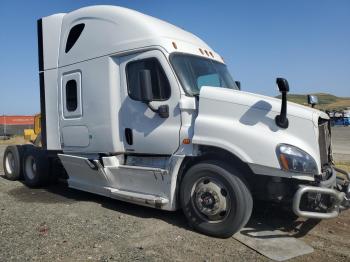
point(325, 101)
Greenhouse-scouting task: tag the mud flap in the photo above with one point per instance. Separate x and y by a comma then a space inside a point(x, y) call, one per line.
point(272, 243)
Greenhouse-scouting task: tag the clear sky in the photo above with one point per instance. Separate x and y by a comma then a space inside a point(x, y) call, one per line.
point(307, 42)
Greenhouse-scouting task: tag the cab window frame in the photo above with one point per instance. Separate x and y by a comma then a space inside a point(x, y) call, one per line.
point(187, 92)
point(162, 71)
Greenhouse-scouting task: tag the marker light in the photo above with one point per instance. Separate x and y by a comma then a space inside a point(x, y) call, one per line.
point(186, 141)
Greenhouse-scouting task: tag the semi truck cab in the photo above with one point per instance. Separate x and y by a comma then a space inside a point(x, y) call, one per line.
point(139, 110)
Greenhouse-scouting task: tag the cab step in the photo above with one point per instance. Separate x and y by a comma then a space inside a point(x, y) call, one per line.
point(139, 198)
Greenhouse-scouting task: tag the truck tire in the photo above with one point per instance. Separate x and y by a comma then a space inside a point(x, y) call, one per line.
point(35, 167)
point(12, 162)
point(215, 199)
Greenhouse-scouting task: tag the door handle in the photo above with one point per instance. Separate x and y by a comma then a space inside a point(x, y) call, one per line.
point(129, 136)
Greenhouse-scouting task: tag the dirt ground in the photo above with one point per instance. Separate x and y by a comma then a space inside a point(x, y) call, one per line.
point(12, 141)
point(58, 223)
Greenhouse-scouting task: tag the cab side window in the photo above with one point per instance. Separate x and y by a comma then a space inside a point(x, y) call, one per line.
point(160, 83)
point(71, 95)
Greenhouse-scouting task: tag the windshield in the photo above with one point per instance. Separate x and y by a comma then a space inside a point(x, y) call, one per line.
point(195, 72)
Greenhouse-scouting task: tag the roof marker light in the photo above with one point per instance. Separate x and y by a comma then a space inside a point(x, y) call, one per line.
point(174, 45)
point(206, 52)
point(200, 49)
point(211, 54)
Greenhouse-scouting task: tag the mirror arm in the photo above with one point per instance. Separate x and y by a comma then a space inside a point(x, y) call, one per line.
point(152, 108)
point(162, 111)
point(281, 119)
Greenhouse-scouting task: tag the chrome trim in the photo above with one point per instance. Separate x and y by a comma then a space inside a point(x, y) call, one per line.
point(339, 197)
point(139, 198)
point(151, 169)
point(272, 171)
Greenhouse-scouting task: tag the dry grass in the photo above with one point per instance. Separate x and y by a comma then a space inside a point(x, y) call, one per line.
point(343, 165)
point(326, 101)
point(16, 140)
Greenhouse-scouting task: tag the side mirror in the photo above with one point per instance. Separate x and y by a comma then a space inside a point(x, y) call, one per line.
point(283, 85)
point(312, 100)
point(146, 93)
point(145, 85)
point(163, 111)
point(238, 84)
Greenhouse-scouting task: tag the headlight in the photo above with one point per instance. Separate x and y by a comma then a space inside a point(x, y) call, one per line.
point(294, 159)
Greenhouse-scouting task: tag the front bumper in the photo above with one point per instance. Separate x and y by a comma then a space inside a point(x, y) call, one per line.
point(336, 189)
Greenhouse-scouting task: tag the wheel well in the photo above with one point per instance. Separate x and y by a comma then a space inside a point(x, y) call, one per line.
point(215, 153)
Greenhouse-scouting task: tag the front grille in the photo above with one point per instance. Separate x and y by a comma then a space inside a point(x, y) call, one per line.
point(324, 141)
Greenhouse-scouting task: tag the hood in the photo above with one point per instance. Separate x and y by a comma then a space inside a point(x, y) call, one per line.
point(244, 124)
point(261, 102)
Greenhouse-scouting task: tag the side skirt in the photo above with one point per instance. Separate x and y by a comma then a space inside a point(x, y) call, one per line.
point(149, 186)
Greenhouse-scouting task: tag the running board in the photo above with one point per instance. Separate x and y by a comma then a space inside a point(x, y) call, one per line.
point(139, 198)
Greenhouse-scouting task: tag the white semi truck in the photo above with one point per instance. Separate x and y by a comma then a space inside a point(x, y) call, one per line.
point(139, 110)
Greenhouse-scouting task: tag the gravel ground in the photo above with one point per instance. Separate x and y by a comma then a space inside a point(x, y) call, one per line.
point(2, 149)
point(58, 223)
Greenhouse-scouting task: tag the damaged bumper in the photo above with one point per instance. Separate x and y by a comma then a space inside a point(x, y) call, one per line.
point(335, 191)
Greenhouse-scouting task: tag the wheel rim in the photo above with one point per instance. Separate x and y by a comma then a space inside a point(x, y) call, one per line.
point(30, 167)
point(211, 199)
point(10, 163)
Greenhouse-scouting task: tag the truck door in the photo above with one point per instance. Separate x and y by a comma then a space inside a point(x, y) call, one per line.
point(74, 133)
point(145, 132)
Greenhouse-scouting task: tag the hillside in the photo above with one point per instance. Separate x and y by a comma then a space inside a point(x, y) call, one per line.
point(325, 101)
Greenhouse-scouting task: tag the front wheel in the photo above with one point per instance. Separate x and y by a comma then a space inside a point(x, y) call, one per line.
point(215, 199)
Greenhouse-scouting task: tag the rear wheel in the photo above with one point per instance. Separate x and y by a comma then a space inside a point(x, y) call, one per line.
point(215, 199)
point(35, 167)
point(12, 162)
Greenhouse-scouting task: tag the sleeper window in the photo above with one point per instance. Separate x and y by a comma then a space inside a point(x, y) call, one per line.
point(160, 83)
point(73, 36)
point(71, 95)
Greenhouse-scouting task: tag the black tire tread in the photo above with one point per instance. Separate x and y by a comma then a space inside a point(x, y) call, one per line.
point(42, 174)
point(16, 151)
point(237, 220)
point(244, 186)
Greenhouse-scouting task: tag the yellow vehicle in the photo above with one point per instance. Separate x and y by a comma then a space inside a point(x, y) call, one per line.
point(33, 135)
